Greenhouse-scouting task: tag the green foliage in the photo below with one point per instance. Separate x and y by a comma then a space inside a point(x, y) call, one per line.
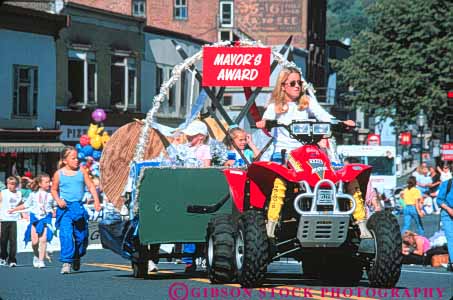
point(346, 18)
point(404, 61)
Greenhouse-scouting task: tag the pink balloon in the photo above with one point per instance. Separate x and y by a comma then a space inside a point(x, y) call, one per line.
point(99, 115)
point(84, 140)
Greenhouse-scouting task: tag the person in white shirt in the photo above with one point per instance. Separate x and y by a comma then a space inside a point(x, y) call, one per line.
point(445, 173)
point(9, 198)
point(291, 101)
point(40, 205)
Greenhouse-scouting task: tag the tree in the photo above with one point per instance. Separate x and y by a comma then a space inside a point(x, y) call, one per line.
point(403, 63)
point(346, 18)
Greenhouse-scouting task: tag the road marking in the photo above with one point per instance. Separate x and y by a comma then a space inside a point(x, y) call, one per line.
point(426, 272)
point(316, 294)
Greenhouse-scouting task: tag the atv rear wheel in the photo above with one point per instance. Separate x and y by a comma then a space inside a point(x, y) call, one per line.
point(385, 269)
point(253, 258)
point(220, 249)
point(140, 269)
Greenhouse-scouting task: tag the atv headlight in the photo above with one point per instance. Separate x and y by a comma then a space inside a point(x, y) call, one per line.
point(321, 129)
point(300, 128)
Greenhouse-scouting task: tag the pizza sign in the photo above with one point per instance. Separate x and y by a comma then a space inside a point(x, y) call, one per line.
point(236, 66)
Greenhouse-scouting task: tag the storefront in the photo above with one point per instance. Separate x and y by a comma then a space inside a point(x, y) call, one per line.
point(29, 150)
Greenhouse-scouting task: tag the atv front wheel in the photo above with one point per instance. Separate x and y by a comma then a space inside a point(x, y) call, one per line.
point(252, 249)
point(220, 249)
point(385, 269)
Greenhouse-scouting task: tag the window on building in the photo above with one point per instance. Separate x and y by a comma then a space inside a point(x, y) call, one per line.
point(123, 85)
point(25, 92)
point(225, 35)
point(180, 9)
point(82, 78)
point(139, 8)
point(227, 100)
point(226, 13)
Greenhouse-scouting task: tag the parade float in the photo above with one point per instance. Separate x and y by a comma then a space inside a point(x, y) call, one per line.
point(232, 213)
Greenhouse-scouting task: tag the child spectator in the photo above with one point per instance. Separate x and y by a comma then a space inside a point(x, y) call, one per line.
point(9, 199)
point(241, 139)
point(68, 187)
point(412, 198)
point(40, 204)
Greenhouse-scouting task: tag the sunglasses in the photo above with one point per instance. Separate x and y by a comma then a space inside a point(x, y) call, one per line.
point(294, 82)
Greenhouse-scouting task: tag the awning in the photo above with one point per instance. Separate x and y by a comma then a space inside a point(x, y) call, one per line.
point(36, 147)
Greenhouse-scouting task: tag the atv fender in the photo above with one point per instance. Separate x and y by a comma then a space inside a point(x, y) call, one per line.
point(244, 191)
point(360, 172)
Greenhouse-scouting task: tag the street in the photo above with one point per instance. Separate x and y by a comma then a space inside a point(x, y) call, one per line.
point(105, 275)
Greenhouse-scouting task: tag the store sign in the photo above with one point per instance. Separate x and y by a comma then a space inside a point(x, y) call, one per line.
point(72, 133)
point(374, 139)
point(447, 152)
point(236, 66)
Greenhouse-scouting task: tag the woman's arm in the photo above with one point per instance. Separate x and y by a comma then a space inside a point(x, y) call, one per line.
point(92, 189)
point(54, 190)
point(17, 208)
point(320, 113)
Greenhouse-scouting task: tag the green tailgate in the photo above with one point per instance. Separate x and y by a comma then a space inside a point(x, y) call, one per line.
point(164, 196)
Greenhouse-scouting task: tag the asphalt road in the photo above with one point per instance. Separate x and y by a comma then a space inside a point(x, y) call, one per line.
point(105, 275)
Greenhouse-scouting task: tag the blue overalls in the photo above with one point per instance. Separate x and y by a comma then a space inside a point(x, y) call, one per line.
point(72, 220)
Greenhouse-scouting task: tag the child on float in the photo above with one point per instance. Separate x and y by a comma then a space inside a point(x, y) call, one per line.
point(9, 199)
point(199, 152)
point(68, 187)
point(40, 208)
point(241, 139)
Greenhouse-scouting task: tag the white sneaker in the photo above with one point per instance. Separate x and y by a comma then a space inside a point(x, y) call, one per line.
point(35, 262)
point(152, 266)
point(41, 264)
point(66, 268)
point(12, 265)
point(2, 262)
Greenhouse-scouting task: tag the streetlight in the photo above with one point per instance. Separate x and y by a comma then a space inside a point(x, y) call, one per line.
point(421, 122)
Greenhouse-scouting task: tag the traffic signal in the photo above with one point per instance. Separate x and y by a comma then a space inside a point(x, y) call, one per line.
point(449, 91)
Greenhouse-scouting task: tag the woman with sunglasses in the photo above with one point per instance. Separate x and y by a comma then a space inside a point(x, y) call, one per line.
point(290, 102)
point(445, 172)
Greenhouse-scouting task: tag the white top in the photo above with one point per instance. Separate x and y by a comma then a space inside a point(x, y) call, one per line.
point(40, 203)
point(9, 201)
point(445, 176)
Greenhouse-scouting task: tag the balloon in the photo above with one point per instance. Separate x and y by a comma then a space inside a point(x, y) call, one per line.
point(94, 130)
point(78, 147)
point(84, 140)
point(97, 155)
point(80, 156)
point(87, 150)
point(99, 115)
point(96, 142)
point(105, 138)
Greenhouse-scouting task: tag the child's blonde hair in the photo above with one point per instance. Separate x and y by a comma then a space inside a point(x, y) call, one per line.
point(64, 154)
point(34, 185)
point(232, 132)
point(11, 178)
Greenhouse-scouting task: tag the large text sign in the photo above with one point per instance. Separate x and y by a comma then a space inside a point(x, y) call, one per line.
point(236, 66)
point(447, 152)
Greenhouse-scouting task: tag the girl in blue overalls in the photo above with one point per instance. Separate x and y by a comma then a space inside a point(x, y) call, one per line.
point(68, 188)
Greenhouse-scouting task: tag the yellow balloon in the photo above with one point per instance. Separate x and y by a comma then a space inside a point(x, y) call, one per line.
point(96, 142)
point(105, 138)
point(92, 130)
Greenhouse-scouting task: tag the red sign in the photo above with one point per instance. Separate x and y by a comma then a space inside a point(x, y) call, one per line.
point(447, 152)
point(236, 66)
point(373, 139)
point(405, 138)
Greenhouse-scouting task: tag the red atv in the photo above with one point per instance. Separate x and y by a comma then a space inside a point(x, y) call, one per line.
point(300, 209)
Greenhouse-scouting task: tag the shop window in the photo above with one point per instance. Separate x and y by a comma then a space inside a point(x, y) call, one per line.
point(123, 82)
point(180, 9)
point(225, 35)
point(139, 8)
point(227, 100)
point(25, 91)
point(226, 13)
point(82, 78)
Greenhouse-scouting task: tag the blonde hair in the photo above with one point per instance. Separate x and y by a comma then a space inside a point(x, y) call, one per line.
point(409, 238)
point(12, 178)
point(278, 94)
point(64, 154)
point(232, 132)
point(34, 185)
